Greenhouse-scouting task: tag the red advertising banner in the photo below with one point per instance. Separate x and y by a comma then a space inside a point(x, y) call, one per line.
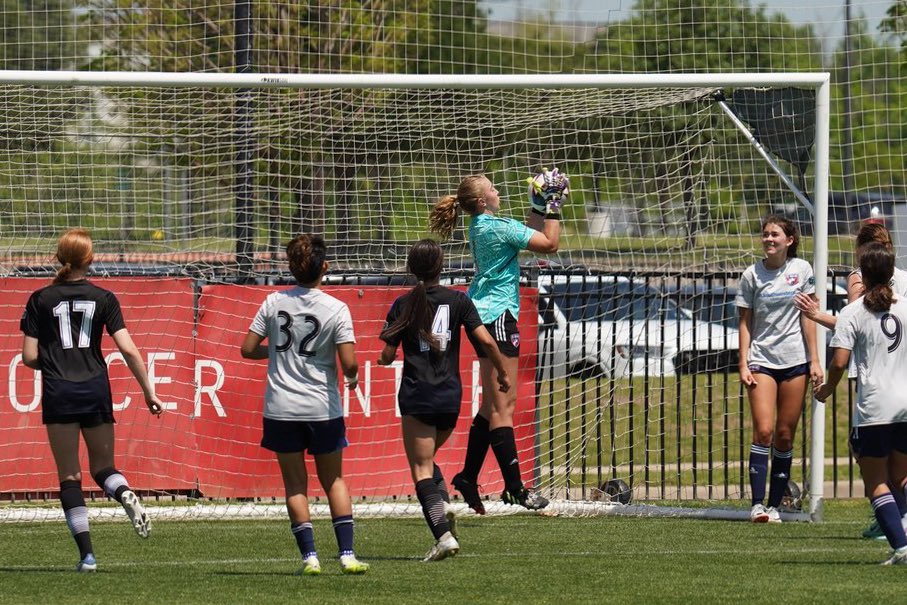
point(151, 451)
point(208, 438)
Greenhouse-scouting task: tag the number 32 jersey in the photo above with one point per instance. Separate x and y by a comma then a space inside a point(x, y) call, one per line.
point(68, 319)
point(878, 344)
point(303, 327)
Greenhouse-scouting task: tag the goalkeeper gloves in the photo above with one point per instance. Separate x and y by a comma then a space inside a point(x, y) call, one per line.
point(547, 192)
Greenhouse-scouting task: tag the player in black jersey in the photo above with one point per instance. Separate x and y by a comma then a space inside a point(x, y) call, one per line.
point(426, 321)
point(62, 324)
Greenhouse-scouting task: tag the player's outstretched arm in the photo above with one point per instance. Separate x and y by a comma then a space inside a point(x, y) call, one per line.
point(133, 360)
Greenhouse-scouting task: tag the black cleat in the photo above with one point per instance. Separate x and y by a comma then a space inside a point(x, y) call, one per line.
point(470, 492)
point(528, 499)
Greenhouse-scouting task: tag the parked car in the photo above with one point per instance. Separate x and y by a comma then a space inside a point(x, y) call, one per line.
point(614, 326)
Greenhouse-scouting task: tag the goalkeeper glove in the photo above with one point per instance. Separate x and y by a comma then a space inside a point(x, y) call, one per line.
point(547, 191)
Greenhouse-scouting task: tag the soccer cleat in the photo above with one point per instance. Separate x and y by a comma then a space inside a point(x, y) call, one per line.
point(874, 532)
point(310, 567)
point(451, 518)
point(136, 513)
point(87, 565)
point(349, 564)
point(470, 493)
point(446, 546)
point(526, 498)
point(898, 557)
point(758, 514)
point(773, 515)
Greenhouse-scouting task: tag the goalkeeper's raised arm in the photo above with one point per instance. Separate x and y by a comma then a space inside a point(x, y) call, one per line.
point(548, 190)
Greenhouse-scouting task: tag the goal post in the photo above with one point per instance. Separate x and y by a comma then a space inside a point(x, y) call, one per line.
point(191, 183)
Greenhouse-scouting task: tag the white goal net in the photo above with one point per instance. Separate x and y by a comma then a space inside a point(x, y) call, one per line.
point(191, 184)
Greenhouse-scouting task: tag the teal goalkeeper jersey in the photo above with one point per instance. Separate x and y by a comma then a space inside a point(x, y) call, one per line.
point(496, 243)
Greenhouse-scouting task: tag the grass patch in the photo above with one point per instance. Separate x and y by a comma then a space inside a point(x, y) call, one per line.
point(503, 560)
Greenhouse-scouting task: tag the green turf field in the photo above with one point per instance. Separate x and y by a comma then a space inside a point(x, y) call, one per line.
point(517, 559)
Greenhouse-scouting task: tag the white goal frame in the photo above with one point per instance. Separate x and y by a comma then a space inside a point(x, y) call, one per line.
point(819, 82)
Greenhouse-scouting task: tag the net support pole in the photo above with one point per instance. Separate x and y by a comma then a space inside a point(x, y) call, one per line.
point(244, 144)
point(820, 264)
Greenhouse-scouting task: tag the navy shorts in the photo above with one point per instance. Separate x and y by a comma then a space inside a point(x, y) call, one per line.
point(505, 332)
point(781, 374)
point(89, 402)
point(317, 437)
point(441, 421)
point(878, 440)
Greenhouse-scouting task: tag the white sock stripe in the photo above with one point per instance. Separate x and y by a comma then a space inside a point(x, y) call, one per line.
point(759, 449)
point(787, 454)
point(436, 513)
point(298, 528)
point(77, 519)
point(113, 483)
point(882, 501)
point(342, 521)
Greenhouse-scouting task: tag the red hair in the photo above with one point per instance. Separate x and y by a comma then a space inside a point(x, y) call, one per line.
point(74, 251)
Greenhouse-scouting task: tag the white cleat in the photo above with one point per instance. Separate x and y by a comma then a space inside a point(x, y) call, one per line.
point(446, 546)
point(773, 515)
point(87, 565)
point(758, 514)
point(136, 513)
point(898, 557)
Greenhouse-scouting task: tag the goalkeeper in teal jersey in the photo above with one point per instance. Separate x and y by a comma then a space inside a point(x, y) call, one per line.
point(496, 243)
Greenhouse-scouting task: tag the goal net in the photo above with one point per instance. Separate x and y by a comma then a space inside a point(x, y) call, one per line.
point(191, 184)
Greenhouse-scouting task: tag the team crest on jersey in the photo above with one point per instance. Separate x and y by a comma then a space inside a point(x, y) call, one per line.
point(515, 340)
point(792, 279)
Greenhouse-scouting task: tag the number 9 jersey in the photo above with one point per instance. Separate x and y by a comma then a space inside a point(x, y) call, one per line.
point(303, 327)
point(878, 344)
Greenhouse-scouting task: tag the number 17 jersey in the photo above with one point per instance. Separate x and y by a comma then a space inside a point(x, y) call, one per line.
point(303, 327)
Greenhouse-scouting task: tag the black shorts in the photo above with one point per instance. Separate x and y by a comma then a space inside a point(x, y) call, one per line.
point(505, 332)
point(878, 440)
point(64, 401)
point(85, 421)
point(781, 374)
point(318, 436)
point(443, 421)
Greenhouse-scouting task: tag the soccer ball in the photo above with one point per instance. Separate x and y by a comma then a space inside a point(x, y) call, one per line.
point(157, 235)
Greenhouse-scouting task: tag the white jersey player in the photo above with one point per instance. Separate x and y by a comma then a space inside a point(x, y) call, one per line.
point(777, 355)
point(871, 329)
point(307, 331)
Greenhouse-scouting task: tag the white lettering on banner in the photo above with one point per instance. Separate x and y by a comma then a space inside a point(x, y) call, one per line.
point(477, 388)
point(210, 390)
point(397, 367)
point(117, 356)
point(364, 397)
point(13, 394)
point(152, 374)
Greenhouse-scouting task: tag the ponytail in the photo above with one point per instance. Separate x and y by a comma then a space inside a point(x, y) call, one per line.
point(877, 267)
point(415, 317)
point(425, 261)
point(444, 215)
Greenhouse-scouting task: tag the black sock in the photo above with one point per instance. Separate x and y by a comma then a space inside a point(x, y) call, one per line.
point(476, 448)
point(76, 513)
point(432, 507)
point(112, 482)
point(781, 463)
point(503, 445)
point(438, 479)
